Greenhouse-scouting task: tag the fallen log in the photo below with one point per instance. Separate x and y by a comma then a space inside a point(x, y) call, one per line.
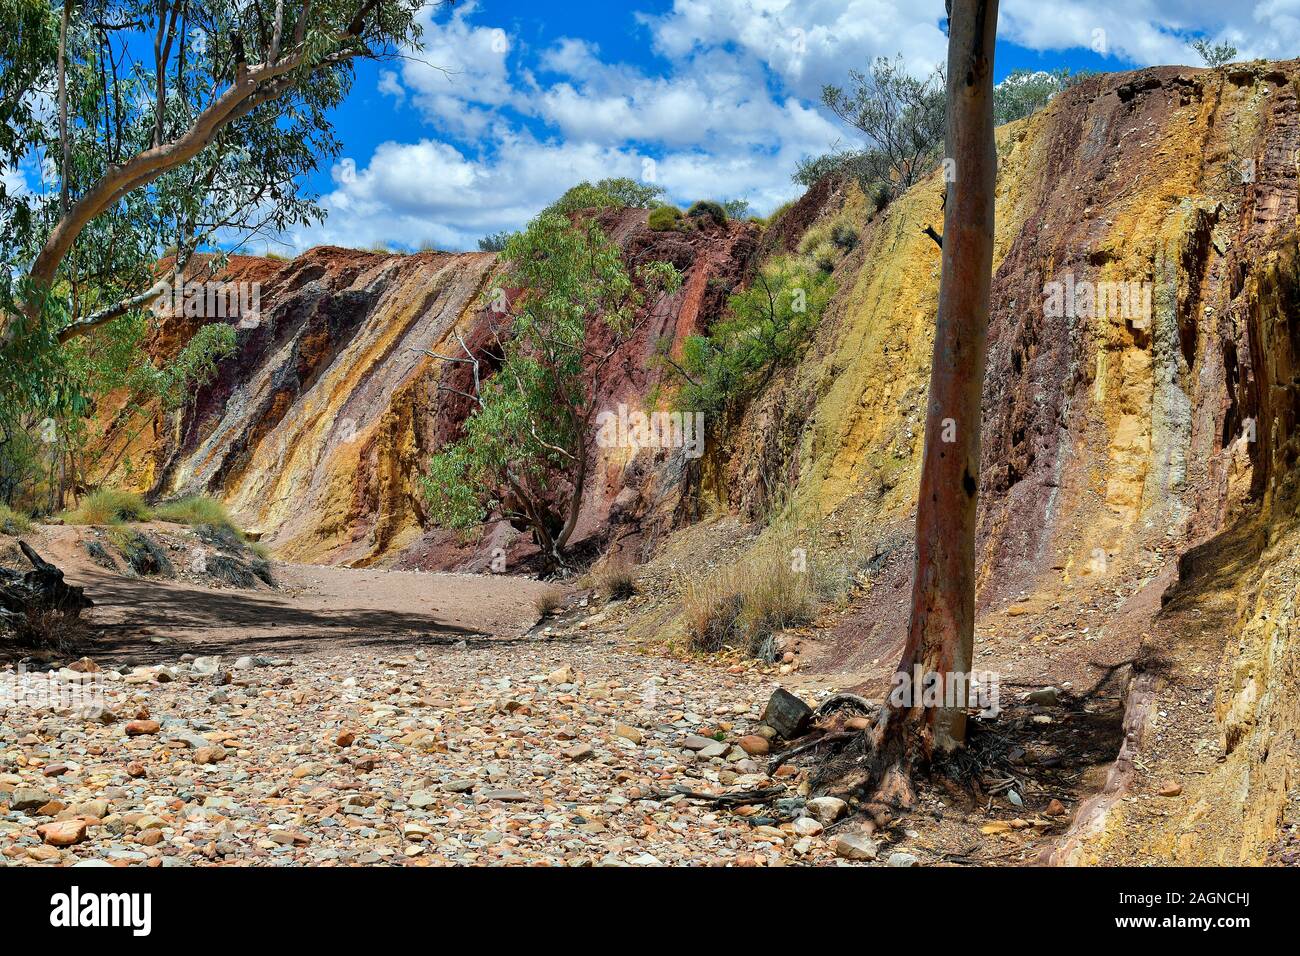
point(27, 597)
point(737, 799)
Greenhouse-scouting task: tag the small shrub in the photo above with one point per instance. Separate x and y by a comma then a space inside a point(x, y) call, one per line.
point(13, 522)
point(746, 604)
point(843, 235)
point(703, 208)
point(548, 601)
point(665, 219)
point(736, 208)
point(100, 555)
point(618, 192)
point(825, 256)
point(108, 506)
point(614, 580)
point(144, 556)
point(767, 323)
point(862, 167)
point(880, 194)
point(238, 573)
point(817, 235)
point(494, 241)
point(838, 233)
point(776, 597)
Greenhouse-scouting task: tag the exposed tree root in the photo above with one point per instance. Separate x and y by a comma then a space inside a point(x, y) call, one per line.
point(880, 769)
point(775, 763)
point(842, 701)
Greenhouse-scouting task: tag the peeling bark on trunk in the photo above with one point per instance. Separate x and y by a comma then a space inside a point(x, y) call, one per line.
point(940, 635)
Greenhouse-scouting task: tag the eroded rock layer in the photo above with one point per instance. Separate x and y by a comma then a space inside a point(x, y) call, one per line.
point(1120, 441)
point(317, 430)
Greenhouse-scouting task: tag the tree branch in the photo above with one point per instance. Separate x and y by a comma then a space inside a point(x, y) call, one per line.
point(251, 87)
point(95, 319)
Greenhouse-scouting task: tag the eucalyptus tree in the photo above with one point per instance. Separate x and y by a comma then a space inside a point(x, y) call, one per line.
point(535, 381)
point(167, 123)
point(144, 130)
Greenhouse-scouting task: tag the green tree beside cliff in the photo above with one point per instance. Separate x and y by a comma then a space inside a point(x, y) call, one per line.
point(535, 387)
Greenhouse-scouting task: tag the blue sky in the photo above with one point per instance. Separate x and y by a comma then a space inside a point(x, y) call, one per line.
point(511, 102)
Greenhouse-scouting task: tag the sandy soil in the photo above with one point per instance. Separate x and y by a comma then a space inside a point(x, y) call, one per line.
point(315, 610)
point(333, 619)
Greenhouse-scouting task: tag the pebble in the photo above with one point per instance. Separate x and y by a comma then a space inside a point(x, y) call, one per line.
point(853, 846)
point(29, 798)
point(534, 754)
point(807, 826)
point(1044, 697)
point(827, 809)
point(63, 832)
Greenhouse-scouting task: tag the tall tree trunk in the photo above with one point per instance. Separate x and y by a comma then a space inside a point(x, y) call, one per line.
point(941, 633)
point(65, 145)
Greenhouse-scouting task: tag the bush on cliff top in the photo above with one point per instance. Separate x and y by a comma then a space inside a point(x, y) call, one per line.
point(617, 192)
point(708, 208)
point(665, 219)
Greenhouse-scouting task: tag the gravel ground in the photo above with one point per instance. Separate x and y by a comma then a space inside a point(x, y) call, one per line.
point(561, 751)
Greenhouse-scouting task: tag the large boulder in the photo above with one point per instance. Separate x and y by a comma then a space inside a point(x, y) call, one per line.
point(786, 714)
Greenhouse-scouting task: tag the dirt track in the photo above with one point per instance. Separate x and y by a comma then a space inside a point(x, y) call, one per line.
point(315, 610)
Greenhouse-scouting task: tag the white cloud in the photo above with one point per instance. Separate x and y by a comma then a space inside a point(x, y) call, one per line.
point(730, 115)
point(413, 194)
point(1151, 32)
point(461, 72)
point(15, 183)
point(390, 85)
point(712, 127)
point(806, 42)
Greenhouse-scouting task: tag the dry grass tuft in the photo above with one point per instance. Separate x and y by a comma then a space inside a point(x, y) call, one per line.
point(614, 580)
point(108, 506)
point(198, 510)
point(13, 522)
point(749, 602)
point(548, 601)
point(782, 582)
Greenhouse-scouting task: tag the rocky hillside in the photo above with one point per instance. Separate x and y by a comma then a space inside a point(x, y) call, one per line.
point(316, 431)
point(1139, 465)
point(1138, 470)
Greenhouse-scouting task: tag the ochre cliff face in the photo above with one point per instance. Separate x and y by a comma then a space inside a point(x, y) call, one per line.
point(1102, 434)
point(315, 433)
point(1112, 446)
